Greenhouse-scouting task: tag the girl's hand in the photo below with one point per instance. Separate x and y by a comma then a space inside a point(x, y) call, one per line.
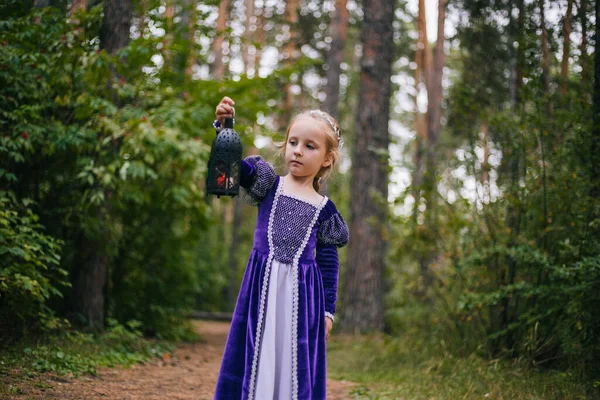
point(328, 327)
point(225, 110)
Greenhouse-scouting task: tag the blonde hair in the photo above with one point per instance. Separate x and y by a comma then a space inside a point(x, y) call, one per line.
point(333, 140)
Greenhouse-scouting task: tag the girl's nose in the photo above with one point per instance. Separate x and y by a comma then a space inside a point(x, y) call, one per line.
point(297, 151)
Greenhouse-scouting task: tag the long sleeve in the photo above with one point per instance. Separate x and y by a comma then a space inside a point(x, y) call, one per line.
point(327, 260)
point(257, 178)
point(333, 233)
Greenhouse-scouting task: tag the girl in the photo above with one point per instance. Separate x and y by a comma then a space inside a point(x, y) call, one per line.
point(285, 309)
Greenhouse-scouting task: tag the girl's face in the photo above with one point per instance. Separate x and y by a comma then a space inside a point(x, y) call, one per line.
point(306, 147)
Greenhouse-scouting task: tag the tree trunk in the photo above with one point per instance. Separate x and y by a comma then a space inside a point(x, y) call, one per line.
point(142, 17)
point(583, 49)
point(485, 165)
point(545, 58)
point(77, 5)
point(422, 59)
point(595, 147)
point(193, 20)
point(259, 37)
point(564, 66)
point(248, 34)
point(168, 48)
point(289, 56)
point(218, 68)
point(91, 276)
point(41, 3)
point(89, 281)
point(363, 286)
point(520, 52)
point(434, 72)
point(114, 34)
point(335, 57)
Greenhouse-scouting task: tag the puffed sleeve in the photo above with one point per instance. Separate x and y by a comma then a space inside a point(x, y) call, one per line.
point(332, 234)
point(257, 178)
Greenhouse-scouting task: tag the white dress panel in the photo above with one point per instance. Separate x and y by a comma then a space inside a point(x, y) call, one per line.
point(274, 377)
point(274, 380)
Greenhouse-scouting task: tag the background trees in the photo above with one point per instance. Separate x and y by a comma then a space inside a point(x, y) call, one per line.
point(474, 218)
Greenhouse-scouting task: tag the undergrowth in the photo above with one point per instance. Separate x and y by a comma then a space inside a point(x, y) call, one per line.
point(74, 353)
point(416, 366)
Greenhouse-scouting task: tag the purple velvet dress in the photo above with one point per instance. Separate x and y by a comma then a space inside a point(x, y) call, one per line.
point(306, 236)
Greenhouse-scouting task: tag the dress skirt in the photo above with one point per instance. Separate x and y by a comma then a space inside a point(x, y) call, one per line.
point(271, 376)
point(274, 377)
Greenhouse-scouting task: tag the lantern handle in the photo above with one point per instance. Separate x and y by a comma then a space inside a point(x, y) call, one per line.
point(229, 123)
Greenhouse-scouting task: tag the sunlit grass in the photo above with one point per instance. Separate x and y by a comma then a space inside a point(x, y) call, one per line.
point(415, 367)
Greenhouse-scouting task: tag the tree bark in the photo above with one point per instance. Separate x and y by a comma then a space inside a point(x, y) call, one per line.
point(218, 68)
point(289, 56)
point(583, 48)
point(41, 3)
point(545, 58)
point(434, 74)
point(363, 286)
point(520, 52)
point(564, 66)
point(142, 20)
point(114, 33)
point(77, 5)
point(335, 57)
point(259, 37)
point(248, 34)
point(90, 278)
point(595, 147)
point(168, 48)
point(89, 282)
point(422, 61)
point(485, 165)
point(193, 20)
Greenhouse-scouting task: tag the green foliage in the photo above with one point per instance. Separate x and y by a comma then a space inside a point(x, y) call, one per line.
point(75, 353)
point(30, 273)
point(516, 249)
point(107, 162)
point(414, 365)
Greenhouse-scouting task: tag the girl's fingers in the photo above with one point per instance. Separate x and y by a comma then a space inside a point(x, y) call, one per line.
point(228, 101)
point(225, 111)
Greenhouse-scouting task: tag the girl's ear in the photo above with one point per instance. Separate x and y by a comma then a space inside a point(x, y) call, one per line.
point(328, 160)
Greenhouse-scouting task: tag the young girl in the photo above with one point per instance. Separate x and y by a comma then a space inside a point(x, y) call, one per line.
point(285, 309)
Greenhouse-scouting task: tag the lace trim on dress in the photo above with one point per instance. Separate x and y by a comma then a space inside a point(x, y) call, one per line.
point(293, 196)
point(296, 298)
point(263, 296)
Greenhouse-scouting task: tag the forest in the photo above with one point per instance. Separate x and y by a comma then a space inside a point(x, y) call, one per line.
point(470, 178)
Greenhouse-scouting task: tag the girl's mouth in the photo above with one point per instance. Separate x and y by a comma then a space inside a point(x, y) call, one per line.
point(296, 162)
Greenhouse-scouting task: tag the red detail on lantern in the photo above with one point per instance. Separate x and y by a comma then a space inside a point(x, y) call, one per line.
point(221, 179)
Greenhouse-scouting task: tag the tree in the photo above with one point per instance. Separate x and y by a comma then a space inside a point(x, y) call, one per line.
point(564, 66)
point(363, 284)
point(217, 67)
point(114, 34)
point(595, 148)
point(90, 277)
point(335, 57)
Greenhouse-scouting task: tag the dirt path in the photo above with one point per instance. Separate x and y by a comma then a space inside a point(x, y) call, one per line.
point(191, 373)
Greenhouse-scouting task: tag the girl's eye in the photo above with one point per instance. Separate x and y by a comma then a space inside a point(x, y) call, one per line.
point(293, 143)
point(310, 146)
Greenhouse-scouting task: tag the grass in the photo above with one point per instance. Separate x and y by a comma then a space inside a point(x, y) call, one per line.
point(415, 367)
point(73, 354)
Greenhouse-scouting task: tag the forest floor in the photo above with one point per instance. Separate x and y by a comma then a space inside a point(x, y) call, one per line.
point(189, 373)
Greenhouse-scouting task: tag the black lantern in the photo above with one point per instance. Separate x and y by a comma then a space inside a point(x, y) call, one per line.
point(224, 164)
